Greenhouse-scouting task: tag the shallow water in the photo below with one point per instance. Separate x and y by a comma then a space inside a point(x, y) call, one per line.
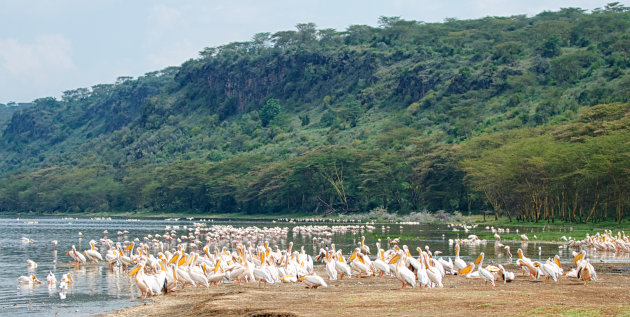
point(97, 289)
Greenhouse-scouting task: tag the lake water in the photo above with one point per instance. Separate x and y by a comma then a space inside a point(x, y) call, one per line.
point(97, 289)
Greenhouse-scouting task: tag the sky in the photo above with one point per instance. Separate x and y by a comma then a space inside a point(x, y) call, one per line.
point(49, 46)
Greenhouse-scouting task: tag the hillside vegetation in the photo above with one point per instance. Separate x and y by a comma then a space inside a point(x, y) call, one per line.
point(525, 116)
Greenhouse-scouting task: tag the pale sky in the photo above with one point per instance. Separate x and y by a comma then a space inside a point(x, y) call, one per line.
point(48, 46)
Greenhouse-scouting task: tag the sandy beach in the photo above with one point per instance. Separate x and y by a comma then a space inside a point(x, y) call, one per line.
point(383, 296)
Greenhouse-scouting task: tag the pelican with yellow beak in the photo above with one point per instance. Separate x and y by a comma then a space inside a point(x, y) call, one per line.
point(313, 281)
point(342, 267)
point(92, 254)
point(358, 264)
point(28, 280)
point(458, 262)
point(403, 274)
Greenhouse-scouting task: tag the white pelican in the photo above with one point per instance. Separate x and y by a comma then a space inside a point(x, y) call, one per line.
point(290, 278)
point(28, 280)
point(365, 249)
point(459, 263)
point(403, 274)
point(528, 267)
point(30, 264)
point(341, 266)
point(198, 274)
point(50, 279)
point(379, 264)
point(524, 237)
point(506, 275)
point(327, 258)
point(26, 240)
point(433, 271)
point(261, 274)
point(549, 269)
point(92, 254)
point(358, 264)
point(484, 273)
point(313, 281)
point(78, 257)
point(141, 280)
point(66, 279)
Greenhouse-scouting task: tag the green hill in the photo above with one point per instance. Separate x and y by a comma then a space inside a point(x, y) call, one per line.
point(324, 121)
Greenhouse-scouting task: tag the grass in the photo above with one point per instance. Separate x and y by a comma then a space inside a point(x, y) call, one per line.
point(558, 311)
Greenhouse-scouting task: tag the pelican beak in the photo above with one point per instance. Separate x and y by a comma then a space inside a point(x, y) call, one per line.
point(216, 268)
point(129, 247)
point(557, 260)
point(135, 270)
point(394, 259)
point(478, 259)
point(520, 253)
point(353, 256)
point(174, 258)
point(578, 257)
point(466, 270)
point(203, 267)
point(182, 261)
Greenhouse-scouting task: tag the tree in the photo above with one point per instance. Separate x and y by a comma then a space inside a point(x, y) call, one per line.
point(551, 47)
point(269, 111)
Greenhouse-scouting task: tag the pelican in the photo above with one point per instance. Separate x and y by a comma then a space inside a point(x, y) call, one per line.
point(506, 275)
point(379, 264)
point(28, 280)
point(403, 274)
point(261, 274)
point(528, 267)
point(341, 266)
point(50, 279)
point(66, 279)
point(484, 273)
point(313, 281)
point(524, 237)
point(26, 240)
point(141, 281)
point(358, 263)
point(365, 249)
point(327, 257)
point(549, 269)
point(433, 271)
point(587, 272)
point(92, 254)
point(199, 275)
point(78, 257)
point(459, 263)
point(31, 264)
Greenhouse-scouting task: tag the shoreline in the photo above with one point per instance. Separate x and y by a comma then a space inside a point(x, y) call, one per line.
point(382, 296)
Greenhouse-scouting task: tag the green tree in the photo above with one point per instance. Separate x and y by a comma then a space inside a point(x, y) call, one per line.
point(269, 111)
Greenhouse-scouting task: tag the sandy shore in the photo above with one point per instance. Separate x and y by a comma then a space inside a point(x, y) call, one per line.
point(382, 296)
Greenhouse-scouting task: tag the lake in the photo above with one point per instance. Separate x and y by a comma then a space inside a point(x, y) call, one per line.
point(97, 289)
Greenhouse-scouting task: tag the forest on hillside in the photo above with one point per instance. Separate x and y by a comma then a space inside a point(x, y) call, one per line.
point(523, 116)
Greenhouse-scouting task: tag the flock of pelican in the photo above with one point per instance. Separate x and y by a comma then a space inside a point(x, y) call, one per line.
point(169, 261)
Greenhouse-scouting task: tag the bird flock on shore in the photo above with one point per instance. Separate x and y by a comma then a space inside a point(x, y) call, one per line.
point(202, 256)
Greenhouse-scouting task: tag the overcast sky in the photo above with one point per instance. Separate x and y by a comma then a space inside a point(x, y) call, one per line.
point(47, 47)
